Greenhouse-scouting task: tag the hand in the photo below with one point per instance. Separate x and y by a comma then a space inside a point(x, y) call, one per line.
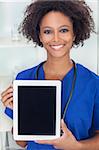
point(7, 97)
point(66, 142)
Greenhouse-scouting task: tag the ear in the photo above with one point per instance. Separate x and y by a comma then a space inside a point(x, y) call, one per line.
point(74, 38)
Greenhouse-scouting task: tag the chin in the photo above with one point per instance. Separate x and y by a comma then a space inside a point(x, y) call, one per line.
point(57, 56)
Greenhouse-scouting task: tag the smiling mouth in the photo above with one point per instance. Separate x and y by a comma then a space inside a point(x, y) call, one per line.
point(57, 47)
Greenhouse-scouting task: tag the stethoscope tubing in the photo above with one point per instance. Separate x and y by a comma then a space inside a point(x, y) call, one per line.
point(72, 88)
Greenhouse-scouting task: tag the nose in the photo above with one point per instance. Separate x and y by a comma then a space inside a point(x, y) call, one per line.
point(56, 36)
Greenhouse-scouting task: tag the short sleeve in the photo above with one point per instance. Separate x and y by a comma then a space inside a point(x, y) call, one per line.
point(9, 112)
point(96, 107)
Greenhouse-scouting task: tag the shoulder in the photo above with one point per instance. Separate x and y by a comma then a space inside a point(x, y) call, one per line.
point(87, 76)
point(27, 74)
point(86, 73)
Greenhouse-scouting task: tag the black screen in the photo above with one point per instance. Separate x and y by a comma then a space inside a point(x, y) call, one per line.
point(36, 110)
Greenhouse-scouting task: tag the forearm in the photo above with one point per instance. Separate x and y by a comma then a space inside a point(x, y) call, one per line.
point(90, 144)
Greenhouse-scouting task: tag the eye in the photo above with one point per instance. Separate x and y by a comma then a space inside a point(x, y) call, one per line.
point(64, 30)
point(47, 31)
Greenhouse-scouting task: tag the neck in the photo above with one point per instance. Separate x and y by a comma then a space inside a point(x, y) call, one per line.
point(58, 67)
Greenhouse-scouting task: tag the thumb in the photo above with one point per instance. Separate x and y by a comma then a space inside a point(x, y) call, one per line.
point(63, 126)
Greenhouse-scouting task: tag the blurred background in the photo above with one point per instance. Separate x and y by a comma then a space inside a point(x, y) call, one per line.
point(17, 54)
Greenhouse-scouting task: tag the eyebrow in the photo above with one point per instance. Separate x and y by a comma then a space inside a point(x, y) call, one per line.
point(59, 27)
point(64, 26)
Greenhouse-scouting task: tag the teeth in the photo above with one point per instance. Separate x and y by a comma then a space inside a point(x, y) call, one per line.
point(57, 46)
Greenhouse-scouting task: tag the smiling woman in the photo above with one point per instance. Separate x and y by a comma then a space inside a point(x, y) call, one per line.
point(58, 26)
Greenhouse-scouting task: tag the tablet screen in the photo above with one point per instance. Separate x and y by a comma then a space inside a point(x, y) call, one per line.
point(36, 110)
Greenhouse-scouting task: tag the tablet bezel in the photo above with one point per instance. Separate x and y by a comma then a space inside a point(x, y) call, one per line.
point(16, 83)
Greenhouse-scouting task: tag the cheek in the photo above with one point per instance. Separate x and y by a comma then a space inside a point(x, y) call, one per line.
point(69, 39)
point(46, 38)
point(45, 42)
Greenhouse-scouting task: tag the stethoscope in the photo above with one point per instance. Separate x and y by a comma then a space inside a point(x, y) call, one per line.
point(72, 88)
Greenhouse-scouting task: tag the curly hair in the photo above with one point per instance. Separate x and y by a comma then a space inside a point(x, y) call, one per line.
point(77, 10)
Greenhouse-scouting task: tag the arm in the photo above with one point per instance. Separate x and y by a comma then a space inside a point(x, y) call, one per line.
point(68, 142)
point(92, 143)
point(7, 100)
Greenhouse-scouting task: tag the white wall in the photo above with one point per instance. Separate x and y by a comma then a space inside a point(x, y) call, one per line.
point(87, 55)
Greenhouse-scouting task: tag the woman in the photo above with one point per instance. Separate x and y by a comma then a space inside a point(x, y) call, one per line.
point(58, 26)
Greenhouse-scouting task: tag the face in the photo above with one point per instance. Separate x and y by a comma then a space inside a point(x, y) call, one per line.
point(56, 34)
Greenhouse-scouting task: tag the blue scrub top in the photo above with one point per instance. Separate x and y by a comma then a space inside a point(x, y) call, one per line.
point(82, 116)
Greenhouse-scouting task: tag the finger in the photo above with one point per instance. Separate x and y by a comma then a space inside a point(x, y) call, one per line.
point(6, 97)
point(10, 105)
point(63, 126)
point(8, 90)
point(9, 102)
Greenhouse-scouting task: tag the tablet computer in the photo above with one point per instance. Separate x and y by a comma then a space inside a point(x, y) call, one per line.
point(36, 109)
